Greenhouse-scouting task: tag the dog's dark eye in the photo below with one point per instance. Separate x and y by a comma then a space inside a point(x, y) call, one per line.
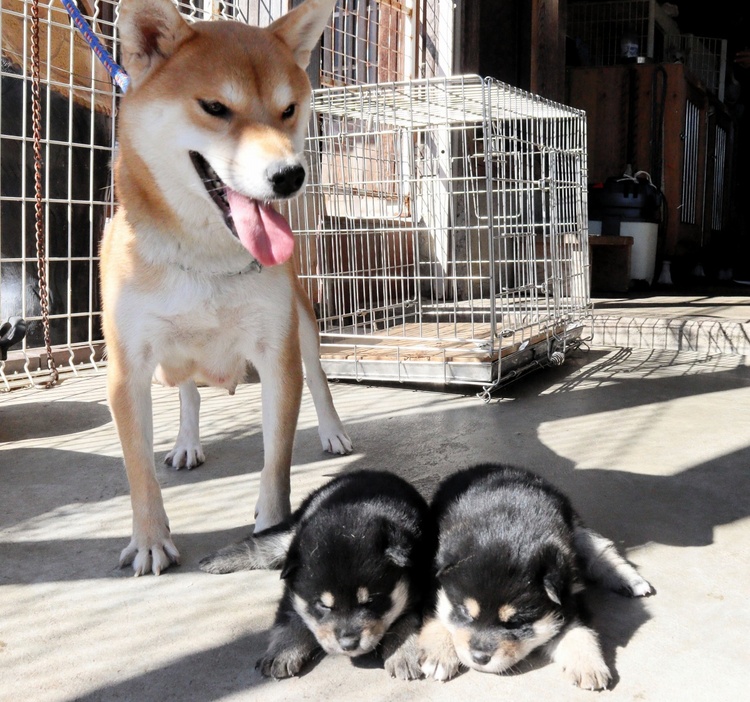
point(463, 613)
point(214, 108)
point(322, 607)
point(289, 112)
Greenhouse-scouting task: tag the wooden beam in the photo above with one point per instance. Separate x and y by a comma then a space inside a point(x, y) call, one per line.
point(548, 48)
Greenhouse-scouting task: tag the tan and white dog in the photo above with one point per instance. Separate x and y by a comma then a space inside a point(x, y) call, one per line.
point(196, 265)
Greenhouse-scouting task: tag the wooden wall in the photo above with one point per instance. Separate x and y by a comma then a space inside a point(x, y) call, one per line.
point(636, 115)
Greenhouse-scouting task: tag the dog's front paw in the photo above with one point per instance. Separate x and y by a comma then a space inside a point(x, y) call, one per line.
point(284, 664)
point(150, 554)
point(438, 669)
point(577, 651)
point(185, 455)
point(150, 548)
point(334, 439)
point(437, 656)
point(589, 675)
point(404, 662)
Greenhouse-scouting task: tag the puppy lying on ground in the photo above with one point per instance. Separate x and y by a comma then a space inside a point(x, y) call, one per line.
point(355, 559)
point(511, 557)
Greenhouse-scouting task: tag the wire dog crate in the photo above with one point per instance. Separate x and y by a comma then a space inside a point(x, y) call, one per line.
point(443, 234)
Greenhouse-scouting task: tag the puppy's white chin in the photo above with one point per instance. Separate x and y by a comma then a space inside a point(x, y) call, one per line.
point(336, 650)
point(496, 666)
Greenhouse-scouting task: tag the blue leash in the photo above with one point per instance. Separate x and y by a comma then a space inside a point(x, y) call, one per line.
point(117, 72)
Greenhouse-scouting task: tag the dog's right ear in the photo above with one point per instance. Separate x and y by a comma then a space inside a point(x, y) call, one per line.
point(444, 561)
point(555, 572)
point(300, 28)
point(150, 31)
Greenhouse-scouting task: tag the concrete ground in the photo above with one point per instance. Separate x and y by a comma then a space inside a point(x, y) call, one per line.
point(651, 443)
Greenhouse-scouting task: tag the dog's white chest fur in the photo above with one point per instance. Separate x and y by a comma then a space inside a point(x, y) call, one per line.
point(207, 327)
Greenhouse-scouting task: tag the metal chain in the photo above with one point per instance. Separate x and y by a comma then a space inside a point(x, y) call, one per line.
point(36, 118)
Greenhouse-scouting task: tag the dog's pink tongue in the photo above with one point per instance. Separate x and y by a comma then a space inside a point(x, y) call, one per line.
point(262, 230)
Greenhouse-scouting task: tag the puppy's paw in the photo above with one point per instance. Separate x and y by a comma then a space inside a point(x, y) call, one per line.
point(150, 554)
point(284, 664)
point(226, 560)
point(185, 454)
point(334, 439)
point(589, 675)
point(441, 670)
point(404, 662)
point(437, 656)
point(637, 587)
point(577, 652)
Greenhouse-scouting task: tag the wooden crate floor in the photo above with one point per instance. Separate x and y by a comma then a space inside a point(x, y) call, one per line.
point(462, 342)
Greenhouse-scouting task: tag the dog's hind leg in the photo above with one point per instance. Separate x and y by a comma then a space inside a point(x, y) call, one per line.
point(604, 565)
point(259, 552)
point(129, 393)
point(333, 436)
point(187, 451)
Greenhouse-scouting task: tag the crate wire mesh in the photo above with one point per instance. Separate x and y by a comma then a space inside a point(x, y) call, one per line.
point(600, 30)
point(443, 232)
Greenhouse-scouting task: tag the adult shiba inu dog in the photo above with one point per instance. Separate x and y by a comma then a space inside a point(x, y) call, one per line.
point(511, 560)
point(197, 275)
point(356, 560)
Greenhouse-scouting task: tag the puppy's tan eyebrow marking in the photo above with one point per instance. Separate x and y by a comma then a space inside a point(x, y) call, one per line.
point(506, 612)
point(327, 599)
point(472, 607)
point(363, 594)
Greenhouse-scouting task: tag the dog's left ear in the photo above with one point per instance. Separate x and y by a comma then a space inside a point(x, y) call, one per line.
point(395, 545)
point(150, 31)
point(301, 28)
point(555, 572)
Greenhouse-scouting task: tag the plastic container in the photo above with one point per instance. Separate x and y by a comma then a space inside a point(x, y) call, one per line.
point(643, 253)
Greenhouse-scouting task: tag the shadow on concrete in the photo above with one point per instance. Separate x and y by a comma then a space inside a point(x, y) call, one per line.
point(40, 419)
point(194, 677)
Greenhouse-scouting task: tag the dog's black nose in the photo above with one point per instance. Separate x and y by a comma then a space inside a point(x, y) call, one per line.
point(287, 181)
point(349, 643)
point(480, 657)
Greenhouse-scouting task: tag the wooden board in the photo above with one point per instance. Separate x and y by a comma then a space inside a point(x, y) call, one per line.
point(423, 342)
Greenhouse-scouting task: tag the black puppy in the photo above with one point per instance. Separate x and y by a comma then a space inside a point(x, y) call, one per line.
point(511, 557)
point(355, 558)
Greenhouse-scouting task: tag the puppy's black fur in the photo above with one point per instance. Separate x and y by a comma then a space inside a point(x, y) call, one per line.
point(355, 558)
point(511, 560)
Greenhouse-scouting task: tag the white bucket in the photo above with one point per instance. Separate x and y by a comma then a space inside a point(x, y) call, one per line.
point(643, 254)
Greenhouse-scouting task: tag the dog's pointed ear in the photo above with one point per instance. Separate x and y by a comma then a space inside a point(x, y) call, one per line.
point(555, 572)
point(444, 561)
point(395, 545)
point(150, 31)
point(301, 28)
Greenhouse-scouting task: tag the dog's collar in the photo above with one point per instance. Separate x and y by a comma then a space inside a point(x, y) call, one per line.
point(253, 267)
